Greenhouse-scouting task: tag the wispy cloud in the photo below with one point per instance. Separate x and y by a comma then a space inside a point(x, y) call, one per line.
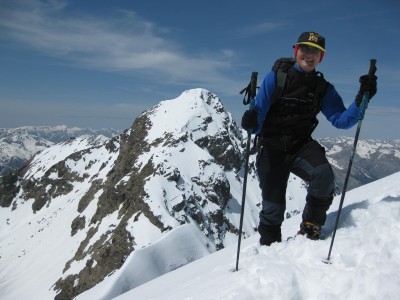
point(124, 43)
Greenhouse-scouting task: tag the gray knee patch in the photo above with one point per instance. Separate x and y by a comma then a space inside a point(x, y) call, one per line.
point(322, 182)
point(272, 213)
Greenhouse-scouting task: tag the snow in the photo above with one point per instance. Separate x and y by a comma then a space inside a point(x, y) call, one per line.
point(165, 255)
point(29, 273)
point(52, 155)
point(34, 247)
point(182, 263)
point(143, 231)
point(365, 259)
point(191, 109)
point(21, 144)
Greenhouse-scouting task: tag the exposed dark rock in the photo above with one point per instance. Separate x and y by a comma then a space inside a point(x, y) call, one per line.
point(88, 197)
point(77, 224)
point(109, 255)
point(112, 248)
point(223, 150)
point(9, 187)
point(43, 190)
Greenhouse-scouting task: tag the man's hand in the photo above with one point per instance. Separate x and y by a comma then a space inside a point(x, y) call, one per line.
point(367, 84)
point(249, 120)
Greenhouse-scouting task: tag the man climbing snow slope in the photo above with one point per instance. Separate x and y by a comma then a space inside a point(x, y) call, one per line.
point(284, 117)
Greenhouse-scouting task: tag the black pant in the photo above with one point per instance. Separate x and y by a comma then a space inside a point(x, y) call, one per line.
point(311, 165)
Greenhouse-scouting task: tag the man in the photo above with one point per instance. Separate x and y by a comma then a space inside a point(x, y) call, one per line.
point(284, 116)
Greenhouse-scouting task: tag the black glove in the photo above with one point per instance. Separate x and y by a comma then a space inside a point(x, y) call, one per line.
point(249, 120)
point(367, 84)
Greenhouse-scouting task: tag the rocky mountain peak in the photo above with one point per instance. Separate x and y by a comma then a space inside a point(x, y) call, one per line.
point(170, 170)
point(176, 165)
point(197, 116)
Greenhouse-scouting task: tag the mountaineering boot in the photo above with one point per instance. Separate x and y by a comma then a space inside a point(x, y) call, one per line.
point(311, 230)
point(269, 234)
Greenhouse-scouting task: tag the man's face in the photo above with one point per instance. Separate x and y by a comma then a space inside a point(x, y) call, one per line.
point(308, 57)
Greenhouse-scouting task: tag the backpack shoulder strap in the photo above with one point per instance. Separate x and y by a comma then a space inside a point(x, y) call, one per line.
point(320, 90)
point(281, 68)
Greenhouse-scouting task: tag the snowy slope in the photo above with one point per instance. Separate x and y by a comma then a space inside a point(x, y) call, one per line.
point(82, 211)
point(365, 261)
point(35, 247)
point(175, 249)
point(96, 219)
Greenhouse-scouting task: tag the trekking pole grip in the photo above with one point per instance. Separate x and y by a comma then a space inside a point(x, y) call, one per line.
point(251, 90)
point(372, 68)
point(365, 98)
point(253, 84)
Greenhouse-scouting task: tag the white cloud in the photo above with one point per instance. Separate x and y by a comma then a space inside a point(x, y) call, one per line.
point(123, 43)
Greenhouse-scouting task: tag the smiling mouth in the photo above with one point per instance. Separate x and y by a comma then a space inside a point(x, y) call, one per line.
point(309, 61)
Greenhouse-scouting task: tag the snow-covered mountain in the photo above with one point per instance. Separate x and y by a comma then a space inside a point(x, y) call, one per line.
point(98, 219)
point(364, 263)
point(93, 206)
point(18, 145)
point(373, 159)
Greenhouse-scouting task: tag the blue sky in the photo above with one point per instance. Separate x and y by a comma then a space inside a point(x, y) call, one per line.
point(95, 63)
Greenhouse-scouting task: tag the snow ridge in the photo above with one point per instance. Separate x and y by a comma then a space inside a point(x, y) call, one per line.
point(364, 262)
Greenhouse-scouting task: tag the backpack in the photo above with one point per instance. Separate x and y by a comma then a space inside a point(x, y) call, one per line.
point(281, 68)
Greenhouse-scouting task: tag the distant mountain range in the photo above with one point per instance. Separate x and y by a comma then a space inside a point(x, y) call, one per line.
point(84, 204)
point(374, 159)
point(18, 145)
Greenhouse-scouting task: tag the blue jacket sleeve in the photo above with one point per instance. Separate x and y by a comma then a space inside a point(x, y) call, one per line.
point(335, 111)
point(263, 99)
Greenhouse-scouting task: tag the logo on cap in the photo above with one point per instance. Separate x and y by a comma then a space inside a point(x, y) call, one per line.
point(313, 37)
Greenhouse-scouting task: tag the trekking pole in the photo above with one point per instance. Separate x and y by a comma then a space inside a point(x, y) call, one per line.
point(364, 105)
point(251, 93)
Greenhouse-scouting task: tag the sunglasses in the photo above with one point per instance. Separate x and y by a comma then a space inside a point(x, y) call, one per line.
point(308, 48)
